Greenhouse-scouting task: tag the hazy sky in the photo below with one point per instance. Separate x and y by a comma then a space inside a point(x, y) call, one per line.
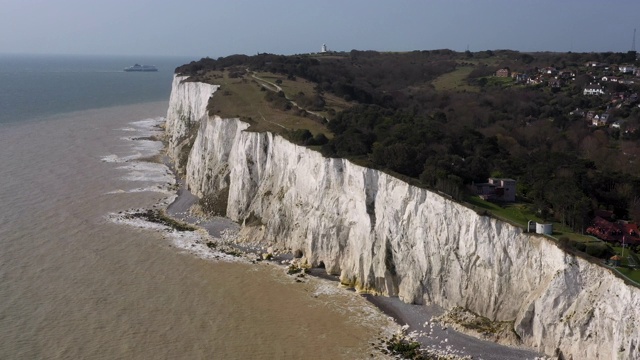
point(218, 28)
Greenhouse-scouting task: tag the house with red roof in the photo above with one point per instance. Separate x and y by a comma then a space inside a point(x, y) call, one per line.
point(614, 232)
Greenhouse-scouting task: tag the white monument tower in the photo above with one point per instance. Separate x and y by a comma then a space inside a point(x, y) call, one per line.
point(324, 48)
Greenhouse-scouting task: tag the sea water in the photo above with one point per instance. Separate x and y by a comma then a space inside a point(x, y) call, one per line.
point(75, 284)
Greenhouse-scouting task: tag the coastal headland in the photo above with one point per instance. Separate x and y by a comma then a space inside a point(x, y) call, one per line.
point(379, 234)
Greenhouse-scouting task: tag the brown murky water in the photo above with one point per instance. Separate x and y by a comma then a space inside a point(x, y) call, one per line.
point(75, 285)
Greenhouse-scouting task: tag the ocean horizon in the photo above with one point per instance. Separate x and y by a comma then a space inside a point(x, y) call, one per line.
point(36, 86)
point(75, 138)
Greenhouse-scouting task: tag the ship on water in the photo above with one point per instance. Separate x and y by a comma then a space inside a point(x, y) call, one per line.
point(138, 67)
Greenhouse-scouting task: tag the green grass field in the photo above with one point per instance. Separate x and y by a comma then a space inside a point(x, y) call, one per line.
point(503, 82)
point(633, 274)
point(455, 80)
point(242, 98)
point(516, 214)
point(519, 214)
point(292, 87)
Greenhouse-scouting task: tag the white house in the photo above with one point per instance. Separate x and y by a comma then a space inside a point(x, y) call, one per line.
point(610, 78)
point(618, 124)
point(627, 69)
point(601, 120)
point(593, 89)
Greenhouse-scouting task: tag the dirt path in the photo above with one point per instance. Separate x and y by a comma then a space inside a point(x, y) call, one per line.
point(277, 88)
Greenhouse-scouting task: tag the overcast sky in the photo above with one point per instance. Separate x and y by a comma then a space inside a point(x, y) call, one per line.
point(218, 28)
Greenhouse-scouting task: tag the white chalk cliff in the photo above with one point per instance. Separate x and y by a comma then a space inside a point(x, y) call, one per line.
point(187, 108)
point(382, 235)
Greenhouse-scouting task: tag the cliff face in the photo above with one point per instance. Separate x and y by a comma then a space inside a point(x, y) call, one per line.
point(385, 236)
point(187, 108)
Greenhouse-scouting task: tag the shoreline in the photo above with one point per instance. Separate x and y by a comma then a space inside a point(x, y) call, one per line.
point(415, 319)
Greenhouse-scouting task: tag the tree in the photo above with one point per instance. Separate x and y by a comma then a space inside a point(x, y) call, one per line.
point(301, 136)
point(568, 202)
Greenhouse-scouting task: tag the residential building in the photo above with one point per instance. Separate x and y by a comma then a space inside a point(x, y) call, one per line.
point(617, 124)
point(595, 121)
point(577, 112)
point(534, 80)
point(627, 69)
point(555, 83)
point(593, 89)
point(520, 77)
point(504, 72)
point(497, 189)
point(601, 119)
point(614, 232)
point(594, 64)
point(566, 74)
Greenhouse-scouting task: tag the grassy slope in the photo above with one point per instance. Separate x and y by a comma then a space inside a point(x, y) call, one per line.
point(242, 98)
point(455, 80)
point(292, 88)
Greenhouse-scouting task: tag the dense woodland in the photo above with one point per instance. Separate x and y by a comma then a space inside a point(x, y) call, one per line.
point(447, 139)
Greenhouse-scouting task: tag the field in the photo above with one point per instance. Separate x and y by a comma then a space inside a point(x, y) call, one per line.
point(455, 80)
point(518, 214)
point(243, 98)
point(292, 87)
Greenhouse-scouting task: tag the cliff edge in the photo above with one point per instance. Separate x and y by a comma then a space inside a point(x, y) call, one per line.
point(384, 236)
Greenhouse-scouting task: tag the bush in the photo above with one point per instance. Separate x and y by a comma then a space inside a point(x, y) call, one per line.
point(319, 139)
point(580, 246)
point(599, 250)
point(406, 348)
point(278, 100)
point(301, 136)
